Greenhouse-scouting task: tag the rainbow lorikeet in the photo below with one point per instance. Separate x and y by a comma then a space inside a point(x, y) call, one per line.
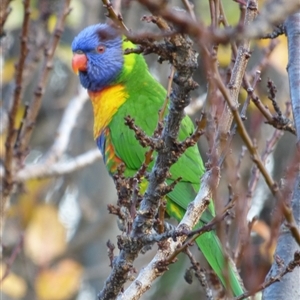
point(120, 85)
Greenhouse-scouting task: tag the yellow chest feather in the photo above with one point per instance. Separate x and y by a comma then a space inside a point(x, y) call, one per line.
point(105, 105)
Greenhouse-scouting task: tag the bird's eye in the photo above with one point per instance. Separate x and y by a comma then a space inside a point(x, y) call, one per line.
point(79, 52)
point(100, 49)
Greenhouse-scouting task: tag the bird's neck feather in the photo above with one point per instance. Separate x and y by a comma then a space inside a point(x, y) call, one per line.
point(105, 104)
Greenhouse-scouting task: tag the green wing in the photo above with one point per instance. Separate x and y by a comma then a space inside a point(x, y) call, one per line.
point(144, 109)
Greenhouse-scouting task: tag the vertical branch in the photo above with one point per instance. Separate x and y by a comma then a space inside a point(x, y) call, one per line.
point(11, 132)
point(190, 8)
point(66, 127)
point(286, 249)
point(34, 107)
point(287, 245)
point(238, 70)
point(113, 15)
point(39, 92)
point(185, 63)
point(292, 26)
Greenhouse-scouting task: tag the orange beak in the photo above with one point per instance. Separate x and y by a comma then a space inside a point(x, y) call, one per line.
point(79, 63)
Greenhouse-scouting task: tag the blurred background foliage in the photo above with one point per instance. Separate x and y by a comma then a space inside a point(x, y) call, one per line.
point(56, 230)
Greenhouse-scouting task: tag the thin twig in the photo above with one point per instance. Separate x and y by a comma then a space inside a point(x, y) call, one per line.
point(11, 132)
point(238, 70)
point(17, 249)
point(282, 272)
point(117, 18)
point(200, 275)
point(190, 8)
point(194, 234)
point(293, 34)
point(169, 88)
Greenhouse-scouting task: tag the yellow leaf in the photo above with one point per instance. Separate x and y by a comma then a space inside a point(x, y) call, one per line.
point(59, 282)
point(45, 236)
point(24, 208)
point(262, 43)
point(2, 145)
point(8, 71)
point(224, 55)
point(279, 56)
point(19, 117)
point(52, 23)
point(13, 286)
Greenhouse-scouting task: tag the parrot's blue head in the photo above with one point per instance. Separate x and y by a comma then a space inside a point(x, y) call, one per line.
point(98, 56)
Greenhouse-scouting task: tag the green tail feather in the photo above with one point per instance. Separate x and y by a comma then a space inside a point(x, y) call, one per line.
point(211, 248)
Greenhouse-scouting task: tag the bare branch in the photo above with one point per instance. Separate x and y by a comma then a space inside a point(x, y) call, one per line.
point(11, 131)
point(292, 25)
point(66, 126)
point(116, 17)
point(275, 278)
point(199, 274)
point(272, 14)
point(39, 92)
point(288, 243)
point(62, 167)
point(238, 70)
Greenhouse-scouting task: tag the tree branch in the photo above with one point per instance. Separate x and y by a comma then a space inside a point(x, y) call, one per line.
point(59, 168)
point(287, 243)
point(39, 92)
point(238, 71)
point(11, 135)
point(11, 131)
point(66, 126)
point(277, 278)
point(292, 26)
